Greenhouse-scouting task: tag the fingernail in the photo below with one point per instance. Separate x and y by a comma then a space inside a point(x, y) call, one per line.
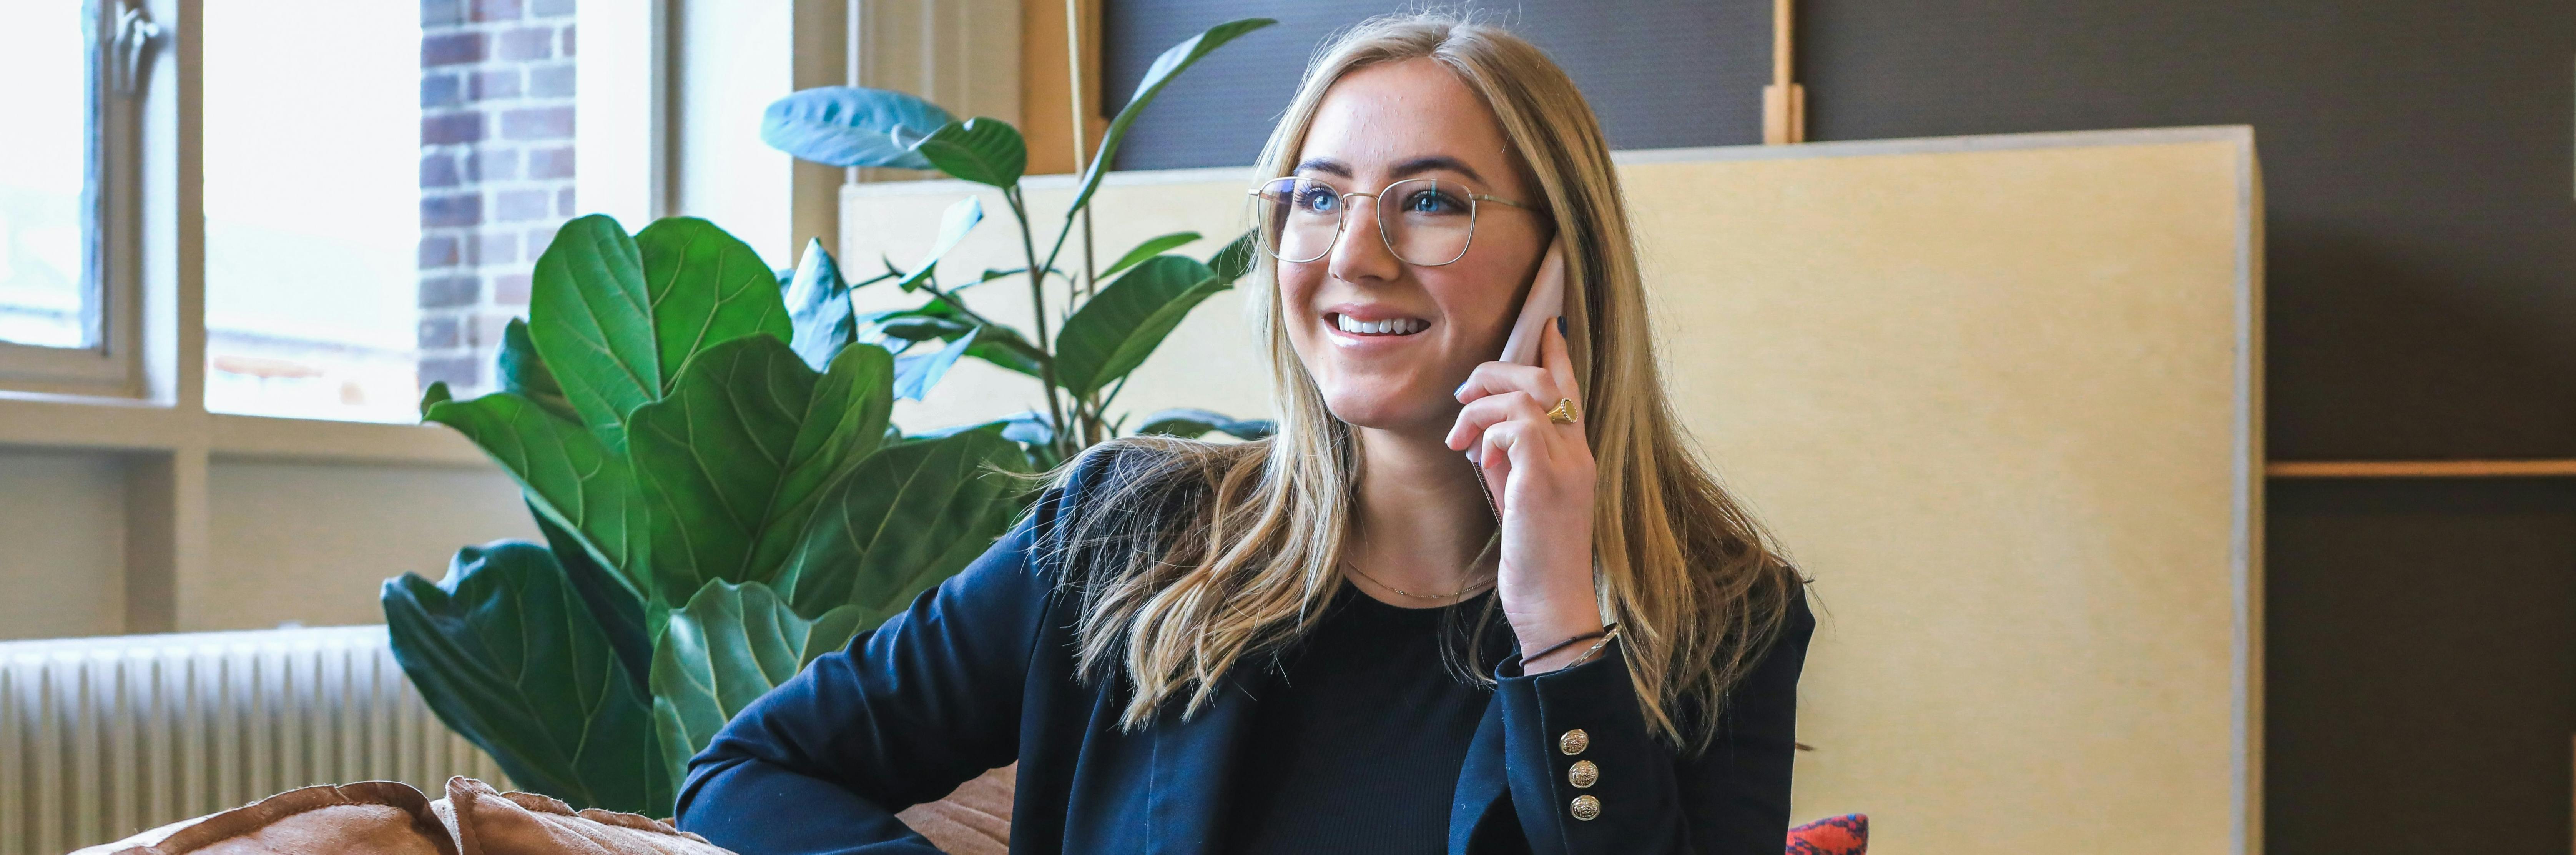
point(1560, 325)
point(1461, 390)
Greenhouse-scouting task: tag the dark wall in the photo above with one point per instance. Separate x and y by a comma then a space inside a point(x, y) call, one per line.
point(2420, 193)
point(2419, 162)
point(1634, 60)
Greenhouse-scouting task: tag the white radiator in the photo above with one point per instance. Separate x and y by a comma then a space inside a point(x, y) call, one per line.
point(104, 737)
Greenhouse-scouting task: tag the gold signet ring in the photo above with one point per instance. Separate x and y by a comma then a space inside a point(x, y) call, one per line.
point(1563, 412)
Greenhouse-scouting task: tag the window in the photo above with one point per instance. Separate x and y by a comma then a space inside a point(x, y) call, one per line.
point(311, 210)
point(66, 179)
point(380, 177)
point(47, 296)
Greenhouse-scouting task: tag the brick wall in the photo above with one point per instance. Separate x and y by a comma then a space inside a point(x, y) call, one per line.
point(496, 171)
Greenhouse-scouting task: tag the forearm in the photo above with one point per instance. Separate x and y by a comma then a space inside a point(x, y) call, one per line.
point(736, 803)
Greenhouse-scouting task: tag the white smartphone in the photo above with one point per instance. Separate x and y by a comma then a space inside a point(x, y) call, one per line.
point(1545, 304)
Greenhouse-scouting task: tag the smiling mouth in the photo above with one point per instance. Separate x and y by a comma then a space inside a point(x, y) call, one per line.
point(1389, 327)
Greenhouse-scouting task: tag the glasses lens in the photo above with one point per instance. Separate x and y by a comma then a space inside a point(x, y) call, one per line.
point(1299, 217)
point(1427, 222)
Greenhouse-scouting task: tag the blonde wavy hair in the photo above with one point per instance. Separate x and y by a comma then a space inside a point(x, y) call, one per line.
point(1193, 558)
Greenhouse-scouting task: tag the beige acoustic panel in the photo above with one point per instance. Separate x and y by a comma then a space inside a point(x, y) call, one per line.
point(1999, 395)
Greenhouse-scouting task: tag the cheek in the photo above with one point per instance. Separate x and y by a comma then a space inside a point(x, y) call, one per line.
point(1478, 296)
point(1298, 284)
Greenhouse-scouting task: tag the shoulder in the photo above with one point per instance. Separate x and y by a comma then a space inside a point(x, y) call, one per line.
point(1105, 474)
point(1121, 491)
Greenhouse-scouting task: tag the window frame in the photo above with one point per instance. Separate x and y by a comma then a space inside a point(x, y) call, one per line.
point(139, 398)
point(114, 151)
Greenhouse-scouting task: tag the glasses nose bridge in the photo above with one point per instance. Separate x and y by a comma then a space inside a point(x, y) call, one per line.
point(1377, 217)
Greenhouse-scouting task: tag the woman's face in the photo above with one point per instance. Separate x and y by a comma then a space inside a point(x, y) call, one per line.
point(1376, 126)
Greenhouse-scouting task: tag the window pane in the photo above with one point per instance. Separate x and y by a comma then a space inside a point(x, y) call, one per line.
point(312, 207)
point(45, 292)
point(370, 228)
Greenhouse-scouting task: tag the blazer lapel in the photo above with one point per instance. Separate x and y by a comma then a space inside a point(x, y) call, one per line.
point(1480, 780)
point(1193, 771)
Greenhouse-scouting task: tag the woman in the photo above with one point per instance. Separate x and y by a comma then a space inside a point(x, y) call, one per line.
point(1325, 641)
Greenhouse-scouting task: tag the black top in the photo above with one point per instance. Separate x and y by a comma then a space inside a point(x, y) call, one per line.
point(1359, 734)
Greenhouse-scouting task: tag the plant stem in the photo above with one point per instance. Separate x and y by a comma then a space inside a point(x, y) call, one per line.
point(1037, 303)
point(1091, 427)
point(1113, 395)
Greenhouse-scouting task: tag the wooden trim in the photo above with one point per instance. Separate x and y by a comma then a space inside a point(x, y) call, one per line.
point(2420, 468)
point(1784, 102)
point(314, 441)
point(125, 426)
point(1046, 84)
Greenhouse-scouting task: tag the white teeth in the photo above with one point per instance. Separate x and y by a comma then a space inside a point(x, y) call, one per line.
point(1397, 326)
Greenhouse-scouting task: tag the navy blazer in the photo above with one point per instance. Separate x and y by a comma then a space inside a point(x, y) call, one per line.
point(980, 672)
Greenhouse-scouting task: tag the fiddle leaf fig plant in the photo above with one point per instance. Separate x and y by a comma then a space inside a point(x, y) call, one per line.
point(1082, 365)
point(706, 447)
point(717, 509)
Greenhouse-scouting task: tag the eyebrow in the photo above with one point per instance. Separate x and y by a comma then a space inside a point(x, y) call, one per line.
point(1406, 169)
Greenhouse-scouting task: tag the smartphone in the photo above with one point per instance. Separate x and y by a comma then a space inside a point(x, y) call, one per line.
point(1545, 304)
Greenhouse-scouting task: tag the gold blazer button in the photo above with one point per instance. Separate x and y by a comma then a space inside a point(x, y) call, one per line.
point(1586, 808)
point(1574, 741)
point(1583, 774)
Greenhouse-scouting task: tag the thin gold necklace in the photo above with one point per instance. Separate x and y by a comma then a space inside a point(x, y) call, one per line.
point(1382, 584)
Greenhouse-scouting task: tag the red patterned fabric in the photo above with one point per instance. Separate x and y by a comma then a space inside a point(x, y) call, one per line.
point(1847, 834)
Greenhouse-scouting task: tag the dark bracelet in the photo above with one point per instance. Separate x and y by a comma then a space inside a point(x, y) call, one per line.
point(1552, 648)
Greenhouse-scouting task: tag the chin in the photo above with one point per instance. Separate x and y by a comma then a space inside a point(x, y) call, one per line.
point(1377, 409)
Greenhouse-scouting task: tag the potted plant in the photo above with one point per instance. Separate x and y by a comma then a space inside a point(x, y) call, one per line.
point(705, 446)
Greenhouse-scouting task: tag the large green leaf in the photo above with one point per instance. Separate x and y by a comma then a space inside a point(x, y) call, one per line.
point(910, 516)
point(711, 457)
point(671, 739)
point(1117, 328)
point(914, 374)
point(818, 307)
point(591, 320)
point(954, 223)
point(746, 446)
point(849, 126)
point(731, 644)
point(612, 603)
point(844, 422)
point(1180, 57)
point(1235, 260)
point(706, 287)
point(1150, 248)
point(571, 475)
point(523, 372)
point(982, 150)
point(504, 651)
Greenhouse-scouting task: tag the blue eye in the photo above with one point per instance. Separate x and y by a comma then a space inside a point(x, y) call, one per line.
point(1433, 202)
point(1321, 200)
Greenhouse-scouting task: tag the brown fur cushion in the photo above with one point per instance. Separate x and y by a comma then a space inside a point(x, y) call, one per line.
point(974, 820)
point(385, 817)
point(392, 818)
point(488, 822)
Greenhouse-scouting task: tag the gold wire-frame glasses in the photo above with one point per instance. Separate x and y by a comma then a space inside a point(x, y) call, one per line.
point(1298, 220)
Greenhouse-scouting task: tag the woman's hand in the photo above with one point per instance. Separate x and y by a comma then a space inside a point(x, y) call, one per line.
point(1543, 472)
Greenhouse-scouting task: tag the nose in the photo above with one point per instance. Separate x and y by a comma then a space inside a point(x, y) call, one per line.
point(1361, 253)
